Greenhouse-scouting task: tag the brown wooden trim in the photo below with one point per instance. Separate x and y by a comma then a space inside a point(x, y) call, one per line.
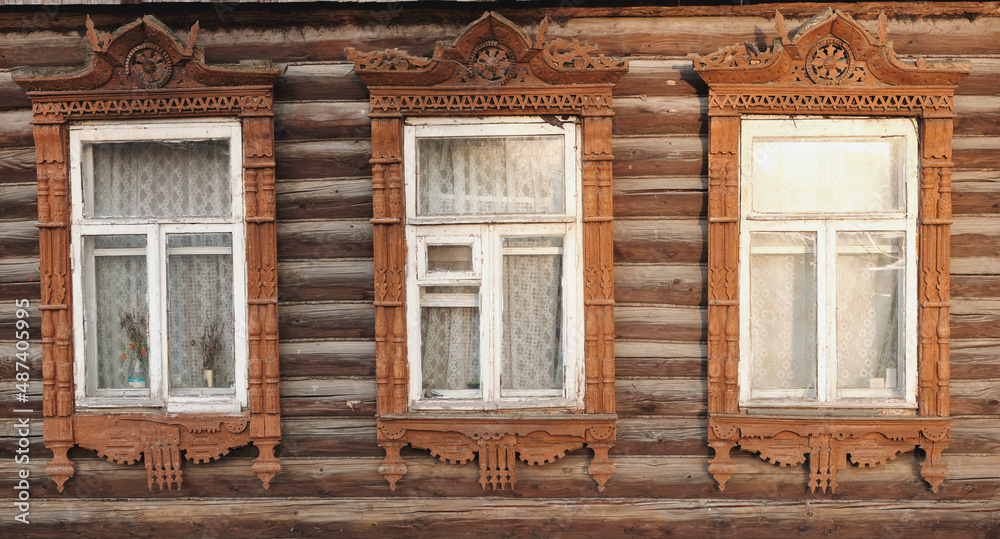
point(186, 87)
point(743, 80)
point(539, 78)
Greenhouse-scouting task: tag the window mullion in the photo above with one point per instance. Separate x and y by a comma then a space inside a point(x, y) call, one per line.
point(157, 290)
point(492, 329)
point(826, 282)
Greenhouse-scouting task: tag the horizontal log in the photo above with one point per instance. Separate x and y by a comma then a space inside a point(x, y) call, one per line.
point(638, 482)
point(660, 241)
point(327, 358)
point(19, 270)
point(325, 239)
point(324, 199)
point(17, 165)
point(677, 284)
point(974, 359)
point(326, 280)
point(658, 359)
point(326, 320)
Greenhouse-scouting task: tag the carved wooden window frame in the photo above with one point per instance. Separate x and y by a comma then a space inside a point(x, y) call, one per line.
point(177, 84)
point(873, 82)
point(540, 78)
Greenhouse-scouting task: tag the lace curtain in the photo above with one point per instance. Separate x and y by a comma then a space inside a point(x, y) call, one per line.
point(200, 306)
point(120, 303)
point(869, 270)
point(871, 183)
point(450, 348)
point(783, 310)
point(161, 179)
point(532, 318)
point(490, 175)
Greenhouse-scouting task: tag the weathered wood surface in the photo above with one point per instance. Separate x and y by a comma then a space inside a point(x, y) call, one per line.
point(330, 482)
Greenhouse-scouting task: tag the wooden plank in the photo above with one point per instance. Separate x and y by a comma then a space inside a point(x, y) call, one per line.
point(544, 492)
point(677, 284)
point(660, 241)
point(19, 270)
point(326, 280)
point(338, 397)
point(683, 197)
point(346, 158)
point(975, 319)
point(326, 320)
point(9, 357)
point(973, 359)
point(324, 199)
point(673, 323)
point(325, 239)
point(326, 358)
point(659, 359)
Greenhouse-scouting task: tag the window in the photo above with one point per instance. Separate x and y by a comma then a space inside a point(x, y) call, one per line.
point(493, 250)
point(158, 254)
point(828, 220)
point(493, 229)
point(829, 207)
point(157, 217)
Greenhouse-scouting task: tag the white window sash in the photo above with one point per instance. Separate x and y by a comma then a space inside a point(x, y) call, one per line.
point(213, 400)
point(826, 226)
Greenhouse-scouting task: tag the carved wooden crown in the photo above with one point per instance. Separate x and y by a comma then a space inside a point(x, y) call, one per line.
point(144, 55)
point(491, 51)
point(828, 49)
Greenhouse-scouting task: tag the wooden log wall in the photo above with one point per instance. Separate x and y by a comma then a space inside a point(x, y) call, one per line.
point(329, 481)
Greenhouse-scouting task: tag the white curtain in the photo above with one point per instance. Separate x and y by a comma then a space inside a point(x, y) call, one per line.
point(450, 348)
point(161, 179)
point(119, 301)
point(164, 180)
point(532, 319)
point(490, 175)
point(783, 310)
point(869, 271)
point(200, 305)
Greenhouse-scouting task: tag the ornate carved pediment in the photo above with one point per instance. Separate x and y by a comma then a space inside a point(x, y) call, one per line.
point(828, 49)
point(491, 52)
point(143, 55)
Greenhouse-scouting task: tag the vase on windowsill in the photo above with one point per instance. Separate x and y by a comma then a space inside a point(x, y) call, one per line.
point(137, 376)
point(209, 375)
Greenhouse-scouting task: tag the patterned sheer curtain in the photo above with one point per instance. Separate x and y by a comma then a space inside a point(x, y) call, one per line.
point(532, 315)
point(870, 270)
point(783, 310)
point(450, 349)
point(161, 179)
point(117, 325)
point(490, 175)
point(152, 180)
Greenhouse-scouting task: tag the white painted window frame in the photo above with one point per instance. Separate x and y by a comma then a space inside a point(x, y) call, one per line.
point(485, 233)
point(825, 226)
point(193, 400)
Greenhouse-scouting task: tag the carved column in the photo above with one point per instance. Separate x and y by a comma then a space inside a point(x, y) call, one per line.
point(262, 289)
point(598, 264)
point(935, 252)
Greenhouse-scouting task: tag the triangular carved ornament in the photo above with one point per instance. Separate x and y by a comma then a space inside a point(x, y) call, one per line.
point(491, 52)
point(142, 56)
point(829, 49)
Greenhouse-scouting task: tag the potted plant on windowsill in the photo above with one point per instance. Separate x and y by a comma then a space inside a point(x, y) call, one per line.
point(134, 351)
point(211, 346)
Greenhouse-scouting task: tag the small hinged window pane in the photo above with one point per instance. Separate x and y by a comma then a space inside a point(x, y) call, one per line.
point(449, 341)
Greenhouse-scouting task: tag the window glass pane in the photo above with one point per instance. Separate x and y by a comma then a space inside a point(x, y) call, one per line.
point(870, 269)
point(783, 310)
point(116, 317)
point(449, 258)
point(517, 174)
point(449, 349)
point(200, 310)
point(532, 352)
point(837, 175)
point(159, 179)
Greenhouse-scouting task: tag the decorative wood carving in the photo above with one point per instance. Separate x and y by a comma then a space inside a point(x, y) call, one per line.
point(492, 68)
point(830, 66)
point(143, 70)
